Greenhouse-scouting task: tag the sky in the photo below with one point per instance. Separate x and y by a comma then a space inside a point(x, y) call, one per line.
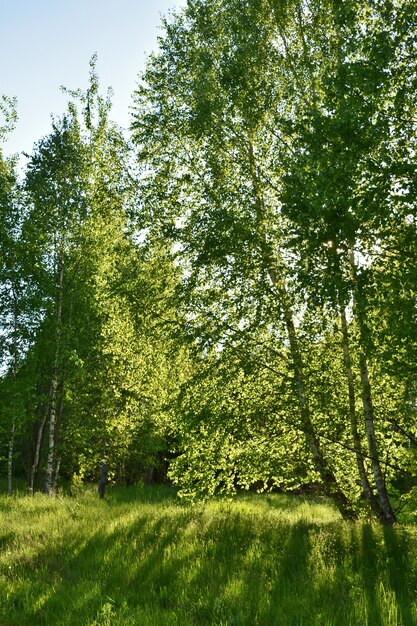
point(48, 43)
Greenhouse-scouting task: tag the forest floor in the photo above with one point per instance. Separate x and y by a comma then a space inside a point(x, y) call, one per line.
point(142, 557)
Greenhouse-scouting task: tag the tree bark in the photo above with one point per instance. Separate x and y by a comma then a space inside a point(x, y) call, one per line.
point(368, 408)
point(10, 458)
point(37, 451)
point(14, 408)
point(57, 437)
point(331, 485)
point(357, 444)
point(54, 384)
point(389, 515)
point(328, 477)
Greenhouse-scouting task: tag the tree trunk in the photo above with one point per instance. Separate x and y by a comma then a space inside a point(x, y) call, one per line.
point(56, 474)
point(10, 458)
point(368, 408)
point(331, 486)
point(57, 431)
point(360, 458)
point(14, 407)
point(37, 451)
point(328, 477)
point(389, 515)
point(54, 385)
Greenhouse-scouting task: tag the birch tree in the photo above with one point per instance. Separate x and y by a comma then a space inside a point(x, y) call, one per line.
point(259, 129)
point(14, 318)
point(56, 211)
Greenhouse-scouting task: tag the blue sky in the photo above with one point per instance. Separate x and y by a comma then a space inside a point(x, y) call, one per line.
point(48, 43)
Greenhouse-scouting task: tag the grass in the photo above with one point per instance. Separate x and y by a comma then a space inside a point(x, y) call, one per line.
point(141, 557)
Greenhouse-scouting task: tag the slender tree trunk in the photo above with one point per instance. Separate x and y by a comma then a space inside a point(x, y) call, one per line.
point(321, 465)
point(389, 515)
point(327, 476)
point(14, 404)
point(37, 451)
point(54, 384)
point(56, 474)
point(357, 444)
point(57, 431)
point(368, 409)
point(10, 458)
point(51, 437)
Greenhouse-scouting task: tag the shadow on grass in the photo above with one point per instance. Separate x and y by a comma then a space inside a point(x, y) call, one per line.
point(369, 568)
point(401, 571)
point(123, 567)
point(166, 565)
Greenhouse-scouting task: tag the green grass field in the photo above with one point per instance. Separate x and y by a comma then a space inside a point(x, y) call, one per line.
point(142, 557)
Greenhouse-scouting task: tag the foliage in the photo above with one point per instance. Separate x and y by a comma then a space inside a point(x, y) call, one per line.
point(99, 360)
point(235, 294)
point(266, 134)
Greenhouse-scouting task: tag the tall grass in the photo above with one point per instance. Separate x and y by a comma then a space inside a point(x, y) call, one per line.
point(141, 557)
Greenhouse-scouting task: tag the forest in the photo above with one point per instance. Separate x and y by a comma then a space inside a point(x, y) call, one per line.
point(226, 297)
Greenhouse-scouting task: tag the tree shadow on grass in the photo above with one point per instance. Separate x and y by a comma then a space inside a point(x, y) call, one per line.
point(381, 558)
point(216, 576)
point(287, 577)
point(367, 560)
point(122, 568)
point(216, 588)
point(187, 567)
point(249, 573)
point(401, 573)
point(330, 576)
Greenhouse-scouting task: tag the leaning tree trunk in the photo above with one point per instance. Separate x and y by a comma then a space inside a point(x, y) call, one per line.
point(368, 408)
point(328, 478)
point(37, 451)
point(321, 465)
point(357, 444)
point(389, 515)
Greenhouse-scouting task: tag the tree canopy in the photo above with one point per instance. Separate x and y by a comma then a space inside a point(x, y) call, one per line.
point(232, 290)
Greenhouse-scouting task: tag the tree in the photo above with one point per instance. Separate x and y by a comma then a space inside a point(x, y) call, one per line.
point(14, 316)
point(56, 211)
point(251, 127)
point(101, 361)
point(221, 132)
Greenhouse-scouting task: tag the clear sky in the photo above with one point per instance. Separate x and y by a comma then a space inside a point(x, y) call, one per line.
point(48, 43)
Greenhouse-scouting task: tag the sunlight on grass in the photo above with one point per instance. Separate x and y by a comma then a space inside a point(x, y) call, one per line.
point(143, 557)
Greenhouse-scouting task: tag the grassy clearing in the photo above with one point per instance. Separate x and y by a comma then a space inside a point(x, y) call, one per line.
point(140, 557)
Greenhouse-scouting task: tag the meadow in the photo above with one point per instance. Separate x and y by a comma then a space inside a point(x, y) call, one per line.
point(143, 557)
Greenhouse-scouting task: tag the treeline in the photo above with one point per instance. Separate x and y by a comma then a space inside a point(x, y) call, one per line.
point(87, 361)
point(236, 287)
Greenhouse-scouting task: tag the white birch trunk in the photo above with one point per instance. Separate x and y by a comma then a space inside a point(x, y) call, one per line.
point(368, 409)
point(278, 282)
point(15, 356)
point(359, 455)
point(10, 458)
point(389, 515)
point(54, 385)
